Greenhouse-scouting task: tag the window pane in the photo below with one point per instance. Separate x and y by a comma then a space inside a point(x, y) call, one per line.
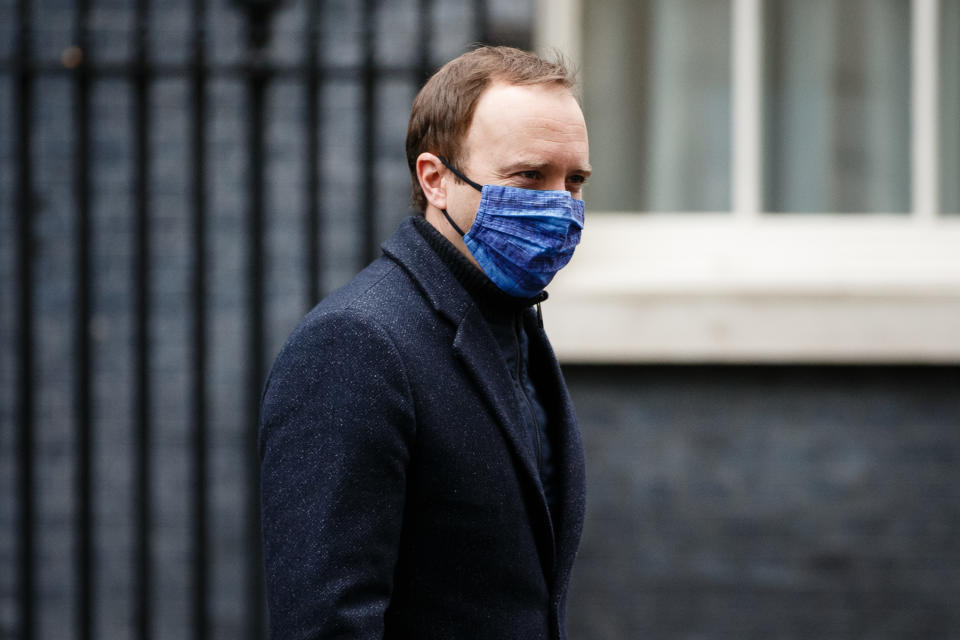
point(837, 106)
point(950, 106)
point(656, 79)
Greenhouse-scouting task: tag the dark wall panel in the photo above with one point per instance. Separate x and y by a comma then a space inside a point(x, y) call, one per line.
point(769, 502)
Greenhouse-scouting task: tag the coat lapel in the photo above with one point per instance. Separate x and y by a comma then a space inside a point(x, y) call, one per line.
point(568, 448)
point(475, 346)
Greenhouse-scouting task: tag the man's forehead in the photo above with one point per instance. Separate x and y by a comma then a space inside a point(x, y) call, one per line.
point(528, 118)
point(524, 97)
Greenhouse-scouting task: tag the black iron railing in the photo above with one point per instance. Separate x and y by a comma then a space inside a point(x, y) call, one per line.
point(257, 72)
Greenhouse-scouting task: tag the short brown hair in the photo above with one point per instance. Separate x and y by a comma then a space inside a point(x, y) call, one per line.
point(443, 109)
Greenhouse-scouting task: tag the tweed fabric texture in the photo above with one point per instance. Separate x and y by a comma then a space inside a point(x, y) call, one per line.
point(400, 494)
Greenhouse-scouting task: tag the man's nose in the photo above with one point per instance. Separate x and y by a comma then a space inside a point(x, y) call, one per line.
point(557, 184)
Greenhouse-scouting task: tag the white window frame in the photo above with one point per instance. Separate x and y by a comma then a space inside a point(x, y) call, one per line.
point(742, 286)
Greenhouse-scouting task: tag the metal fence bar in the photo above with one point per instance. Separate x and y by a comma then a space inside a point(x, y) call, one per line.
point(141, 271)
point(23, 201)
point(258, 81)
point(312, 115)
point(481, 21)
point(139, 73)
point(424, 37)
point(83, 284)
point(369, 132)
point(200, 607)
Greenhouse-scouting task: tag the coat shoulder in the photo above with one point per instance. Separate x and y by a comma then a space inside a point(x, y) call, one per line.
point(348, 318)
point(364, 324)
point(383, 294)
point(340, 350)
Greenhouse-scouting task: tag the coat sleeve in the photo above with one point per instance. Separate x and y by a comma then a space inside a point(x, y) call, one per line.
point(336, 431)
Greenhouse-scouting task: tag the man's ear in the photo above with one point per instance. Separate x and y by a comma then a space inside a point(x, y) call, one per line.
point(430, 176)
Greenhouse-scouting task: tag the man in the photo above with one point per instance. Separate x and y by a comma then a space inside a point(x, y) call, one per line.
point(422, 472)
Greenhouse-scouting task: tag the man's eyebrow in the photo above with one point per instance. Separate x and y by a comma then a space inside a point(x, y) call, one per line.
point(539, 166)
point(524, 165)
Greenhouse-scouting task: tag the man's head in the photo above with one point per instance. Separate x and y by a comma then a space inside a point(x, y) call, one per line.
point(502, 117)
point(444, 109)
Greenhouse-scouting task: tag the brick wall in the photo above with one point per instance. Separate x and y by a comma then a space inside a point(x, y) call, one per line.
point(769, 502)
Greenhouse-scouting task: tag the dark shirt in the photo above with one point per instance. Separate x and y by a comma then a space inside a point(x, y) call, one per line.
point(504, 315)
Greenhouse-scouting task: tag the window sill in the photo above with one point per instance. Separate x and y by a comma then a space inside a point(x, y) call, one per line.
point(777, 288)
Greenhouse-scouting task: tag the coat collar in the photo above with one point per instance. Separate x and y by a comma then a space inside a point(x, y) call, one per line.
point(474, 343)
point(408, 248)
point(476, 347)
point(494, 303)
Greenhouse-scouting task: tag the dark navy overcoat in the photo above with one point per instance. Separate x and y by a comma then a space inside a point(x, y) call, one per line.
point(400, 497)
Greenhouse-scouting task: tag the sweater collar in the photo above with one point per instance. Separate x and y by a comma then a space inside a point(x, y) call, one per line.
point(492, 301)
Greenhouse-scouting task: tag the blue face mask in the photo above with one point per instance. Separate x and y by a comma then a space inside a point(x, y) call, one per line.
point(521, 238)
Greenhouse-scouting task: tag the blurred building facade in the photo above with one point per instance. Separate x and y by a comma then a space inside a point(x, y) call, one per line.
point(771, 449)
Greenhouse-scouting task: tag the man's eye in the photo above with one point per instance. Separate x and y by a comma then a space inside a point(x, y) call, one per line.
point(529, 175)
point(577, 179)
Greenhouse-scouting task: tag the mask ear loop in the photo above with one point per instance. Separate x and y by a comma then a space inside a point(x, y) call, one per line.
point(452, 223)
point(465, 179)
point(470, 182)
